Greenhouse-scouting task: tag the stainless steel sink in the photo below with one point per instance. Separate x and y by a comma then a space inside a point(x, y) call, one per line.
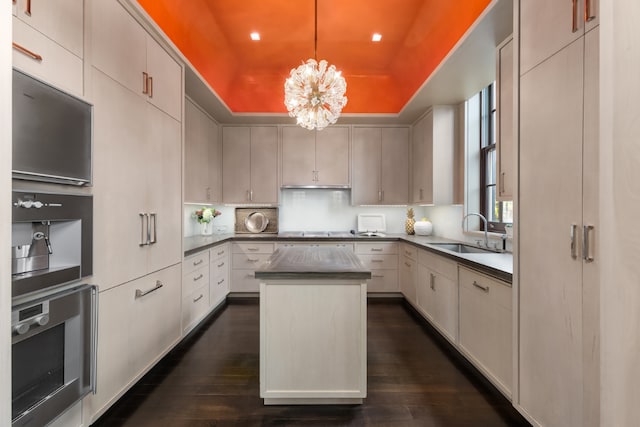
point(462, 248)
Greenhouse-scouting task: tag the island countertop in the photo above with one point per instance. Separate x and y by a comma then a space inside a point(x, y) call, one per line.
point(314, 262)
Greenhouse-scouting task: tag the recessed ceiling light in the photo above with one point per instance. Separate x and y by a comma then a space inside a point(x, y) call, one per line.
point(376, 37)
point(255, 36)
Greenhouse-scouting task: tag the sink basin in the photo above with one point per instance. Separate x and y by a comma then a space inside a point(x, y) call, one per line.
point(462, 248)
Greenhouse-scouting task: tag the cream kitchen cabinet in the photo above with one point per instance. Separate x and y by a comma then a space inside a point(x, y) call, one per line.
point(408, 271)
point(505, 174)
point(382, 259)
point(437, 293)
point(138, 323)
point(203, 157)
point(219, 274)
point(48, 41)
point(433, 141)
point(250, 164)
point(315, 158)
point(558, 379)
point(122, 49)
point(485, 318)
point(380, 166)
point(195, 289)
point(137, 185)
point(245, 258)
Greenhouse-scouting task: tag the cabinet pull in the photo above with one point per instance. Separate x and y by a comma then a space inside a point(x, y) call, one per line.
point(27, 8)
point(251, 275)
point(379, 195)
point(221, 265)
point(376, 249)
point(140, 293)
point(198, 262)
point(198, 299)
point(421, 197)
point(377, 260)
point(572, 234)
point(251, 195)
point(377, 275)
point(588, 16)
point(27, 52)
point(253, 259)
point(150, 87)
point(586, 244)
point(143, 242)
point(502, 175)
point(145, 83)
point(221, 253)
point(220, 282)
point(407, 264)
point(432, 282)
point(479, 286)
point(252, 249)
point(200, 276)
point(574, 16)
point(153, 235)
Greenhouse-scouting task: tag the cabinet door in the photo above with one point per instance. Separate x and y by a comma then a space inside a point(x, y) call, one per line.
point(165, 86)
point(394, 159)
point(417, 161)
point(118, 44)
point(505, 84)
point(196, 155)
point(214, 167)
point(298, 156)
point(164, 189)
point(120, 182)
point(59, 20)
point(264, 164)
point(424, 294)
point(332, 156)
point(408, 278)
point(547, 27)
point(236, 161)
point(366, 166)
point(550, 311)
point(445, 307)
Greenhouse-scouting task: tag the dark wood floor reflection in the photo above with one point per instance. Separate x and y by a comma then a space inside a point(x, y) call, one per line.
point(212, 379)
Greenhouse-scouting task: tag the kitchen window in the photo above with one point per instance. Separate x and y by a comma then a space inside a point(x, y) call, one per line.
point(497, 213)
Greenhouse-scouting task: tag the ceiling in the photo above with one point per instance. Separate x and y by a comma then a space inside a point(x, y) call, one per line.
point(383, 79)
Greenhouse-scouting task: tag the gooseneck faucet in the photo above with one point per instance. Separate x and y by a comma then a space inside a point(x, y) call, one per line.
point(486, 238)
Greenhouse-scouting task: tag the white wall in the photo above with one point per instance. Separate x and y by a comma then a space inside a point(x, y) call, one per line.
point(5, 212)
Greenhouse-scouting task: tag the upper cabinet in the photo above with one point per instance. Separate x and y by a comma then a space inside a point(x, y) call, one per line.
point(250, 164)
point(504, 109)
point(433, 150)
point(380, 166)
point(202, 157)
point(48, 41)
point(315, 158)
point(122, 49)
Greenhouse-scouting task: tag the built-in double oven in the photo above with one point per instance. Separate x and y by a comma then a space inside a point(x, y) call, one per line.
point(54, 314)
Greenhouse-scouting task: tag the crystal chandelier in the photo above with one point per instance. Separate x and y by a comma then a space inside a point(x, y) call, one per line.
point(314, 93)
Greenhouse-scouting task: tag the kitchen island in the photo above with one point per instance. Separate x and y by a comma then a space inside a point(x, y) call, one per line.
point(313, 327)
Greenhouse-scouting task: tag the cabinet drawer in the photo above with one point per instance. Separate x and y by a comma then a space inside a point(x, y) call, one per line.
point(194, 306)
point(252, 248)
point(383, 281)
point(439, 264)
point(244, 281)
point(496, 292)
point(219, 252)
point(219, 267)
point(375, 262)
point(377, 248)
point(409, 251)
point(249, 261)
point(58, 66)
point(195, 279)
point(194, 262)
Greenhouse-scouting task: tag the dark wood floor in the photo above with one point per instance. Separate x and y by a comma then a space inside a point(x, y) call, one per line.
point(212, 379)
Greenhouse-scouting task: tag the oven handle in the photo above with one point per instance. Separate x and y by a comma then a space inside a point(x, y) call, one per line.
point(94, 339)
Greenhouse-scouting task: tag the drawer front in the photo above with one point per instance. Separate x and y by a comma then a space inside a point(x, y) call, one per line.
point(496, 292)
point(194, 262)
point(409, 251)
point(244, 281)
point(252, 248)
point(344, 245)
point(383, 281)
point(377, 248)
point(195, 279)
point(219, 267)
point(377, 262)
point(194, 306)
point(249, 261)
point(221, 251)
point(439, 264)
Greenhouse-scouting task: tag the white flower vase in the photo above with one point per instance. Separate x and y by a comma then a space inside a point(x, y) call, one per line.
point(206, 229)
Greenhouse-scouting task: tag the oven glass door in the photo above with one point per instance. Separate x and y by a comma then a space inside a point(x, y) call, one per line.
point(38, 368)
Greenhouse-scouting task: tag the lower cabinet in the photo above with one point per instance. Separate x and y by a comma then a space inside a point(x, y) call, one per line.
point(245, 258)
point(138, 323)
point(408, 272)
point(382, 259)
point(195, 289)
point(485, 326)
point(219, 274)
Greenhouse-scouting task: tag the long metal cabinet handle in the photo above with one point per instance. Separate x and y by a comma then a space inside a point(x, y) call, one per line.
point(574, 16)
point(588, 16)
point(27, 9)
point(150, 87)
point(502, 176)
point(26, 51)
point(94, 340)
point(220, 282)
point(432, 283)
point(143, 241)
point(140, 293)
point(251, 195)
point(198, 299)
point(376, 249)
point(572, 235)
point(479, 286)
point(153, 236)
point(586, 243)
point(198, 277)
point(145, 82)
point(198, 262)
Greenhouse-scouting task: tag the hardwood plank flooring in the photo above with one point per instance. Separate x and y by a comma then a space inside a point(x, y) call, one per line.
point(212, 379)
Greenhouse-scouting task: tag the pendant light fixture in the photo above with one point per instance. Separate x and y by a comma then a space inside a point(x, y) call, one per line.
point(314, 92)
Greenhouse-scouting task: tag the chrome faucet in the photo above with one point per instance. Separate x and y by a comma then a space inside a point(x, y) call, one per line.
point(486, 238)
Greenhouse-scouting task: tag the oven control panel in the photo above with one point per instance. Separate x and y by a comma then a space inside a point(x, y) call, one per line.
point(24, 318)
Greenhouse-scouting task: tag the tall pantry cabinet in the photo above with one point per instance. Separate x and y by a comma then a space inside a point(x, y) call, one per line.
point(558, 355)
point(137, 91)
